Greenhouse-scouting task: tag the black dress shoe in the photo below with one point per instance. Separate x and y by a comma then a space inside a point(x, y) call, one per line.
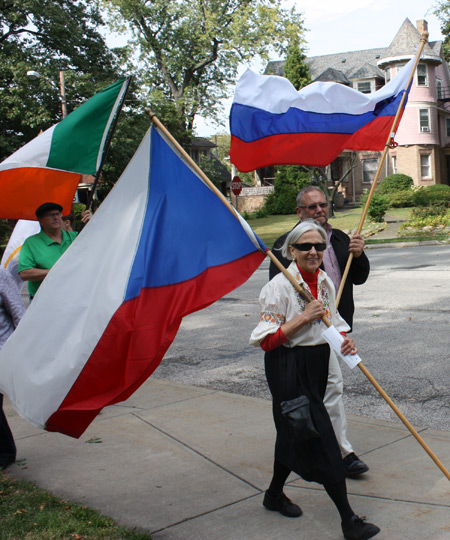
point(6, 461)
point(354, 466)
point(358, 529)
point(282, 504)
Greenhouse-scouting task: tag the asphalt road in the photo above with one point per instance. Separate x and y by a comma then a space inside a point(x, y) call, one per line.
point(401, 330)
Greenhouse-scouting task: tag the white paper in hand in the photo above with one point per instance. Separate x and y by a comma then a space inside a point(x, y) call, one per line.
point(335, 339)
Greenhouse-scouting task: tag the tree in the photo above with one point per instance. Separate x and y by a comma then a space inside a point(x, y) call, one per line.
point(295, 67)
point(442, 11)
point(49, 36)
point(188, 51)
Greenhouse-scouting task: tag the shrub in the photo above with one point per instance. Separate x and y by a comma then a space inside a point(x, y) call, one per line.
point(428, 195)
point(78, 209)
point(378, 206)
point(289, 180)
point(401, 199)
point(395, 182)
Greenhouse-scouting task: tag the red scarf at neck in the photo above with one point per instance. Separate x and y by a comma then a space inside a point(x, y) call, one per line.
point(310, 279)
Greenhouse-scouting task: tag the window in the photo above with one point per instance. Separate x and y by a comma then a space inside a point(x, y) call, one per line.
point(439, 88)
point(394, 164)
point(388, 74)
point(369, 170)
point(447, 126)
point(364, 87)
point(425, 166)
point(424, 120)
point(422, 75)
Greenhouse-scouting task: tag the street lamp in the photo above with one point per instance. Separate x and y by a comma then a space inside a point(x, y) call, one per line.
point(34, 76)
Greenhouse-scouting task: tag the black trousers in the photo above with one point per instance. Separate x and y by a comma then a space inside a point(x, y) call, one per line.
point(7, 445)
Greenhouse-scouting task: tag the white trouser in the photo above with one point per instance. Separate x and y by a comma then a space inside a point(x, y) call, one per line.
point(335, 406)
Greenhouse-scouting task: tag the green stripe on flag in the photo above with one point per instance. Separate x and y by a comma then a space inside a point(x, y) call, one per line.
point(79, 138)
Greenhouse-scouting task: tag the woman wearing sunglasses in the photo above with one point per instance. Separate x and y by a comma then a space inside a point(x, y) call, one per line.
point(302, 369)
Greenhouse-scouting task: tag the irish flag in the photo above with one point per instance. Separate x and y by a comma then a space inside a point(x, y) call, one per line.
point(48, 168)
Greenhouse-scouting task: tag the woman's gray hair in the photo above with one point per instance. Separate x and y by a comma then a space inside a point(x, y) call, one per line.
point(300, 230)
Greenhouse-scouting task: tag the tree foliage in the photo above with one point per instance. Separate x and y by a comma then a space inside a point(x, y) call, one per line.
point(289, 180)
point(442, 11)
point(295, 67)
point(188, 51)
point(49, 36)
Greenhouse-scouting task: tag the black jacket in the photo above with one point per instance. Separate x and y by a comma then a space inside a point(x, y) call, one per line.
point(358, 274)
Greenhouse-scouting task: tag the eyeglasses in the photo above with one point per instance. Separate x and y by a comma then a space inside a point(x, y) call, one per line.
point(312, 207)
point(307, 246)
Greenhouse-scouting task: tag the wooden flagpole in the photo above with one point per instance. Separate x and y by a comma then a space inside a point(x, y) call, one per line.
point(392, 132)
point(303, 292)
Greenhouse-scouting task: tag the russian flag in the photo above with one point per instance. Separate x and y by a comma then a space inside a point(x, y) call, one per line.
point(272, 123)
point(161, 246)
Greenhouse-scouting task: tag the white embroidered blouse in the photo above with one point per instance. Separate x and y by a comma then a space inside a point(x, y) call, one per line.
point(280, 302)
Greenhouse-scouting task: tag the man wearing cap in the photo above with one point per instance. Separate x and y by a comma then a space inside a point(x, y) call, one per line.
point(41, 251)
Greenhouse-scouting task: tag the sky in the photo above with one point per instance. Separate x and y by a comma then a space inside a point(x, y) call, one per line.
point(346, 25)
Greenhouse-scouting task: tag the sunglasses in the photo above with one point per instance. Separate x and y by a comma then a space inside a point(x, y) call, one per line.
point(307, 246)
point(312, 207)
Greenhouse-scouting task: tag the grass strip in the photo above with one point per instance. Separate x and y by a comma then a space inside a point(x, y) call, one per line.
point(29, 513)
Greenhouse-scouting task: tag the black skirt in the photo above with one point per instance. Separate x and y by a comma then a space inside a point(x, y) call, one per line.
point(292, 372)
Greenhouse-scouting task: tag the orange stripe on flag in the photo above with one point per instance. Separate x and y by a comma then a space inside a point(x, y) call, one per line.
point(23, 189)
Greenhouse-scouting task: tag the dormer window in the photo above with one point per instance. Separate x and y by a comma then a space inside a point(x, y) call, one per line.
point(364, 87)
point(422, 75)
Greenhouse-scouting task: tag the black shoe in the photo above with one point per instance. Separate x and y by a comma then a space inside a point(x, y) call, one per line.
point(358, 529)
point(6, 461)
point(282, 504)
point(354, 466)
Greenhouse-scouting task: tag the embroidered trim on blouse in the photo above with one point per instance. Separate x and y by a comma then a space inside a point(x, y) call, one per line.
point(273, 318)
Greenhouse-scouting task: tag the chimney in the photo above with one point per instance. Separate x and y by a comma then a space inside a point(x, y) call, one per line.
point(422, 26)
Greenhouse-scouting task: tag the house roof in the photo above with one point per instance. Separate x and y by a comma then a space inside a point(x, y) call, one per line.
point(405, 45)
point(202, 142)
point(365, 64)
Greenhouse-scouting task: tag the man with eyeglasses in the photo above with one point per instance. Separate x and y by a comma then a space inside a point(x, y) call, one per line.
point(312, 204)
point(41, 251)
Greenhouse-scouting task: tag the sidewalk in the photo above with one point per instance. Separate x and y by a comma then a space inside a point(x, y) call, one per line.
point(188, 463)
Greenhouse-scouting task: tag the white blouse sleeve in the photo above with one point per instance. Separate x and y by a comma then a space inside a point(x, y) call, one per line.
point(273, 312)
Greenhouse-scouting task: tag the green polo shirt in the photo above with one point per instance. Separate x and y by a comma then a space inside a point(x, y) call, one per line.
point(40, 251)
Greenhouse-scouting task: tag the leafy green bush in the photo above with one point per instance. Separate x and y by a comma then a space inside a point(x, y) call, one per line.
point(427, 195)
point(436, 215)
point(401, 199)
point(378, 206)
point(289, 180)
point(78, 209)
point(395, 182)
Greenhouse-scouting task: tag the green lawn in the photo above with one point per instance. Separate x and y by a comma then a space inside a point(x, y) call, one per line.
point(271, 227)
point(29, 513)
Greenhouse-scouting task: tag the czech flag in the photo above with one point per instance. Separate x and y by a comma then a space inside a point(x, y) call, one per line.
point(161, 246)
point(272, 123)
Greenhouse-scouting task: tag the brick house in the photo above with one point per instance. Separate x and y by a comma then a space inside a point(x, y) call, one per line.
point(423, 136)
